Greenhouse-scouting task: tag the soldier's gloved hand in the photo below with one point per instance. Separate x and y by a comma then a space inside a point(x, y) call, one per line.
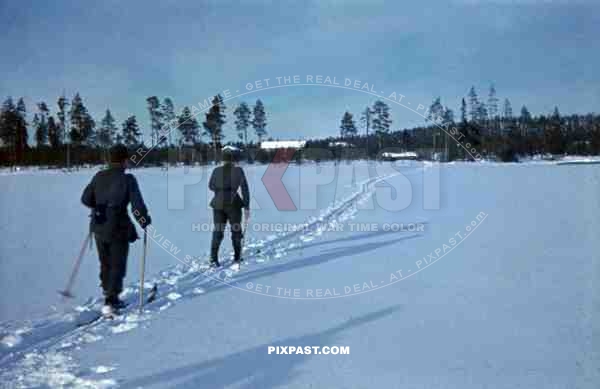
point(145, 221)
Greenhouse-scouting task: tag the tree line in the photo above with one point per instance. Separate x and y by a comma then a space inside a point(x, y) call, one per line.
point(71, 135)
point(485, 127)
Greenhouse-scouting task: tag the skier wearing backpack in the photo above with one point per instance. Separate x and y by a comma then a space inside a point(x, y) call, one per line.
point(109, 194)
point(227, 205)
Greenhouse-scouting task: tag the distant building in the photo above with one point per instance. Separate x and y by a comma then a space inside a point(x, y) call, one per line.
point(230, 148)
point(408, 155)
point(282, 144)
point(341, 144)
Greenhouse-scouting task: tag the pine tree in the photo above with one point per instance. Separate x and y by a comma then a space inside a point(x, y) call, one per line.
point(448, 115)
point(130, 132)
point(448, 120)
point(366, 120)
point(381, 121)
point(54, 133)
point(63, 103)
point(82, 124)
point(242, 121)
point(7, 122)
point(8, 125)
point(169, 117)
point(492, 106)
point(21, 131)
point(107, 131)
point(556, 115)
point(524, 120)
point(482, 113)
point(553, 135)
point(155, 120)
point(259, 122)
point(473, 104)
point(119, 139)
point(36, 124)
point(215, 119)
point(40, 124)
point(13, 128)
point(347, 127)
point(406, 140)
point(188, 126)
point(463, 127)
point(77, 120)
point(508, 113)
point(436, 111)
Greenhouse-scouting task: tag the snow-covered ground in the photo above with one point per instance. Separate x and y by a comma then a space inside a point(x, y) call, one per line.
point(496, 287)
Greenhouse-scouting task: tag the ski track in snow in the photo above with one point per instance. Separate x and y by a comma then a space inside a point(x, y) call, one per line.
point(35, 353)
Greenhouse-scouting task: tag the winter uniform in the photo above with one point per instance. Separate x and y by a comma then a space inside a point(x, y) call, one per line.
point(108, 194)
point(227, 206)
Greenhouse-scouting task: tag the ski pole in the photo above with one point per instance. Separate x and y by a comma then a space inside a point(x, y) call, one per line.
point(244, 230)
point(143, 270)
point(67, 291)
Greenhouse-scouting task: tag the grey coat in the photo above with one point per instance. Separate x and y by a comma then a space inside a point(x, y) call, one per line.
point(225, 181)
point(108, 195)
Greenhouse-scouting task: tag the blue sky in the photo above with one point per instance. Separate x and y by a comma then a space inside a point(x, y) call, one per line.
point(538, 53)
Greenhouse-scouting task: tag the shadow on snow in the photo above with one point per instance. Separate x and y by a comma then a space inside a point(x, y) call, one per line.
point(254, 367)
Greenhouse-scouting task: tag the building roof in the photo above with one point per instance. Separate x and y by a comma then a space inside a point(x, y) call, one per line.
point(282, 144)
point(340, 144)
point(404, 155)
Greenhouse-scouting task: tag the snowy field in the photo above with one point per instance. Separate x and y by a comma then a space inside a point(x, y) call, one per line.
point(433, 276)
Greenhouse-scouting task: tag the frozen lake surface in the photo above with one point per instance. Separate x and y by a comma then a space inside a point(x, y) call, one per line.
point(434, 276)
